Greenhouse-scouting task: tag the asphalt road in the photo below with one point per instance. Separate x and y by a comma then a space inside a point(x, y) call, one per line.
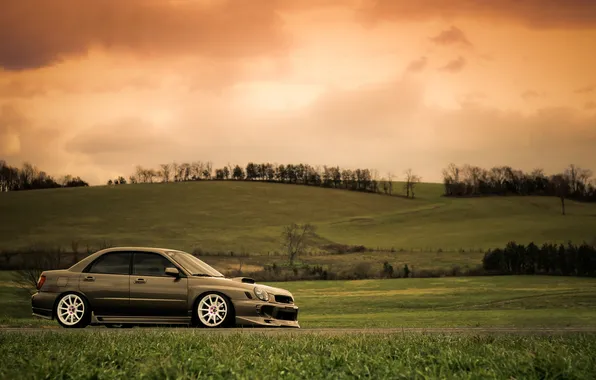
point(328, 331)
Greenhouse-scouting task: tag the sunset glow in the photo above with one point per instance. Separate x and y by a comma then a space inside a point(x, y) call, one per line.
point(386, 84)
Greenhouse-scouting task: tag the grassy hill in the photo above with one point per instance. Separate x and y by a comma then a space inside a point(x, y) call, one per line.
point(223, 216)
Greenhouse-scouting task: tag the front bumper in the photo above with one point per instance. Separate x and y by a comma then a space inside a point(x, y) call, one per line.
point(42, 304)
point(265, 314)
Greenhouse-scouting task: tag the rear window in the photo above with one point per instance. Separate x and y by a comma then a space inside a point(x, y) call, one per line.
point(112, 263)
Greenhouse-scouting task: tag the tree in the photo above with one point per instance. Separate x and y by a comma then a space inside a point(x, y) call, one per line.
point(296, 238)
point(390, 183)
point(561, 187)
point(251, 171)
point(238, 173)
point(165, 172)
point(410, 184)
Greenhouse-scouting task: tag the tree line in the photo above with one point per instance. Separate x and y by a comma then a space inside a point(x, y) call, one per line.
point(364, 180)
point(467, 180)
point(549, 259)
point(29, 177)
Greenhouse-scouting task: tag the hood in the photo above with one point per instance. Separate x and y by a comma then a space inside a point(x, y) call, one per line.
point(246, 280)
point(245, 283)
point(250, 283)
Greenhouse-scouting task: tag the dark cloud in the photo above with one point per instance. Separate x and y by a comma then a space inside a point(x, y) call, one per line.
point(36, 33)
point(451, 36)
point(454, 66)
point(531, 13)
point(417, 65)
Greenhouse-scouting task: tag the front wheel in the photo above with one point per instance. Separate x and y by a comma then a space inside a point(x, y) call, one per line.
point(214, 310)
point(72, 311)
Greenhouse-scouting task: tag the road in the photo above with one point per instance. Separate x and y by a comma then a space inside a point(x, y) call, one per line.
point(328, 331)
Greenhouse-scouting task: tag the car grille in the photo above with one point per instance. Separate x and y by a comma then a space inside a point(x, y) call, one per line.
point(278, 313)
point(283, 299)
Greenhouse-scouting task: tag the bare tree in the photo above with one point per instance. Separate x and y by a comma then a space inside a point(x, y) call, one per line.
point(411, 181)
point(390, 182)
point(174, 168)
point(296, 238)
point(561, 184)
point(165, 172)
point(74, 245)
point(26, 279)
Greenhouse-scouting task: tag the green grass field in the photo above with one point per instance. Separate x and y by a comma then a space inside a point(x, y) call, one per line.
point(243, 216)
point(195, 354)
point(505, 301)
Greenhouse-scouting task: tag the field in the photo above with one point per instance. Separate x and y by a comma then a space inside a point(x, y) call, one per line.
point(196, 354)
point(534, 302)
point(505, 301)
point(248, 217)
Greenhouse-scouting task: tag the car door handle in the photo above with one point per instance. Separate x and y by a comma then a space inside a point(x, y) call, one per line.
point(140, 281)
point(89, 278)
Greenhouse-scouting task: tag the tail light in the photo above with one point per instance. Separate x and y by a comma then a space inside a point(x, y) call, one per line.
point(41, 281)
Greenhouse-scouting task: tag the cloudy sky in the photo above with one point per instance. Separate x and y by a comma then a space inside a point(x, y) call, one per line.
point(94, 88)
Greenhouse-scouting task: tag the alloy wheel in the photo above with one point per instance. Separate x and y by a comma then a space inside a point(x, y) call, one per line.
point(71, 310)
point(212, 310)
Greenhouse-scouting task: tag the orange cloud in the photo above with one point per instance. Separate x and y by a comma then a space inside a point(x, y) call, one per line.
point(417, 65)
point(451, 36)
point(454, 66)
point(36, 33)
point(531, 13)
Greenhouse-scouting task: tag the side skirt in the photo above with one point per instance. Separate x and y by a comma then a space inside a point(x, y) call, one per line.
point(141, 320)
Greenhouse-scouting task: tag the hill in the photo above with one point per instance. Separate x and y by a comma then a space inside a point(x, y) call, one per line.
point(230, 215)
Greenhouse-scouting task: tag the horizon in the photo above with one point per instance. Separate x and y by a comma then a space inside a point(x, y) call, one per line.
point(386, 85)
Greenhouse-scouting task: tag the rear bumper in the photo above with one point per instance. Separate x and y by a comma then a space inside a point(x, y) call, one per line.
point(265, 314)
point(42, 304)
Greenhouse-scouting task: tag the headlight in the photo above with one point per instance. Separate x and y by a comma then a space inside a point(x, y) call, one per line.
point(261, 294)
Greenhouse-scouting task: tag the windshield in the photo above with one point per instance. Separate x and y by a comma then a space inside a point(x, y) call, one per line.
point(192, 264)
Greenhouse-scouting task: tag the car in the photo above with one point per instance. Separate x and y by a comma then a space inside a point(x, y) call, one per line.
point(128, 286)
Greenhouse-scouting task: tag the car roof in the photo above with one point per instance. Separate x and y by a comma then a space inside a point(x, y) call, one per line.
point(78, 267)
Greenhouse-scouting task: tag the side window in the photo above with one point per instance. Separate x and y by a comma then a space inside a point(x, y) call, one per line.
point(150, 264)
point(112, 263)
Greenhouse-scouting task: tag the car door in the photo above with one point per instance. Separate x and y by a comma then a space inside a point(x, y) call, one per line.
point(106, 283)
point(152, 291)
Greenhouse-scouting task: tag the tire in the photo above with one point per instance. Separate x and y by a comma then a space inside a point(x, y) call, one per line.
point(213, 310)
point(72, 311)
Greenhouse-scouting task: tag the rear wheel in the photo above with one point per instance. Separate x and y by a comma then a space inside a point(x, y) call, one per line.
point(72, 311)
point(214, 310)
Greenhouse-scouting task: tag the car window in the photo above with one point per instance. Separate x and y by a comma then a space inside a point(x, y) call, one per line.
point(150, 264)
point(112, 263)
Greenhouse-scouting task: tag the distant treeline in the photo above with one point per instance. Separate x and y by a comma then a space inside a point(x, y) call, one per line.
point(549, 259)
point(574, 183)
point(365, 180)
point(29, 177)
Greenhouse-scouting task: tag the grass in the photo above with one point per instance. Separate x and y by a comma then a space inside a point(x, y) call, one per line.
point(194, 354)
point(502, 301)
point(237, 216)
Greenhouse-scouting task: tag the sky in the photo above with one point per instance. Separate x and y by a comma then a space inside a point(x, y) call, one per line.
point(96, 88)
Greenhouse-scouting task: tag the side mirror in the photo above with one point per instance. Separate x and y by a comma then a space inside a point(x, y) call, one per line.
point(174, 272)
